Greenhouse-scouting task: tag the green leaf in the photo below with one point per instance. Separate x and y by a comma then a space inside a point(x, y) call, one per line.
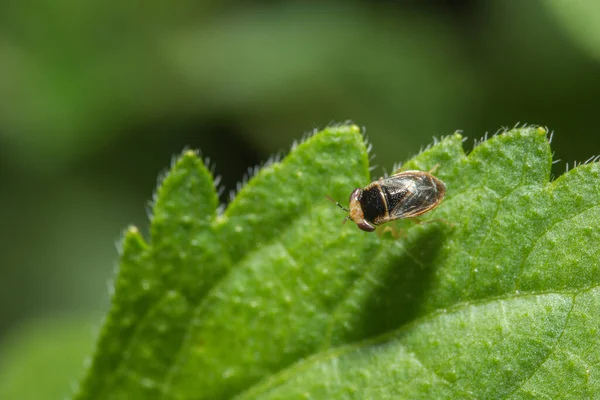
point(495, 297)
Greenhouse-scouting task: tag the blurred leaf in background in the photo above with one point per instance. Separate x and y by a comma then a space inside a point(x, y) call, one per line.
point(42, 359)
point(581, 19)
point(96, 98)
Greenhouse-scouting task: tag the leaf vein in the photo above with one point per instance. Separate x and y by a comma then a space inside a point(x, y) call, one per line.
point(550, 351)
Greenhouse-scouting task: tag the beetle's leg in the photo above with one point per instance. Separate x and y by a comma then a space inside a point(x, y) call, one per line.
point(393, 229)
point(435, 168)
point(418, 221)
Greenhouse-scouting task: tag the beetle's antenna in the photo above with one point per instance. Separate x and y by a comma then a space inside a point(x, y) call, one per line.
point(336, 203)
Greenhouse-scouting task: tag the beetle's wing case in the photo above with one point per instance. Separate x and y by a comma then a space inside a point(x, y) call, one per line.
point(411, 193)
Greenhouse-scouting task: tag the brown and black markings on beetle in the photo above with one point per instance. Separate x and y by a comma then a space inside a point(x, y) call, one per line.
point(406, 194)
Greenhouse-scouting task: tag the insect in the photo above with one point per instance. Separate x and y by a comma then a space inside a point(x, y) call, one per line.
point(405, 194)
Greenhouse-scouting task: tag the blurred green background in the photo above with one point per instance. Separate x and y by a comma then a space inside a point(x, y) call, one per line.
point(96, 98)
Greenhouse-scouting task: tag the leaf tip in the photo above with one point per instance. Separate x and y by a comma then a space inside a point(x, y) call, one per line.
point(188, 190)
point(528, 130)
point(355, 128)
point(347, 127)
point(132, 242)
point(190, 154)
point(542, 130)
point(190, 159)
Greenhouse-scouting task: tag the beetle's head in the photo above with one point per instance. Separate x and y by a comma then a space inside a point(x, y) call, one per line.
point(356, 212)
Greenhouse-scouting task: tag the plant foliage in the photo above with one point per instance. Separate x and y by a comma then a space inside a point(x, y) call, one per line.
point(274, 299)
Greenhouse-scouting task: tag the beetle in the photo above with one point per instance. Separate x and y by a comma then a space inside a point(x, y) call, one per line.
point(406, 194)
